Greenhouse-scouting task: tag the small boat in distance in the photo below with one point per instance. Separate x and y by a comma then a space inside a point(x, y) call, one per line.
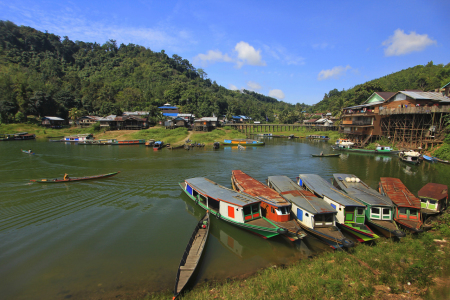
point(78, 138)
point(410, 157)
point(216, 145)
point(27, 151)
point(192, 254)
point(325, 155)
point(385, 149)
point(428, 158)
point(245, 142)
point(70, 179)
point(158, 145)
point(150, 143)
point(319, 137)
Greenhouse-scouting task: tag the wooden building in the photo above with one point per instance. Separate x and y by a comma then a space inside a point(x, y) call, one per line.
point(53, 122)
point(206, 124)
point(86, 121)
point(176, 123)
point(113, 122)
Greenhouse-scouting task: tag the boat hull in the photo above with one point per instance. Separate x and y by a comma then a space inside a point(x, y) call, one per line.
point(362, 235)
point(339, 241)
point(386, 228)
point(75, 178)
point(264, 232)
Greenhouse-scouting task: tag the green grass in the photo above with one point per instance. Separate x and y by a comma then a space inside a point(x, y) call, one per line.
point(356, 274)
point(170, 136)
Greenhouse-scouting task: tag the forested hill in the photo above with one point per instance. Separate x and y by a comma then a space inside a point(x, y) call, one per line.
point(42, 74)
point(425, 78)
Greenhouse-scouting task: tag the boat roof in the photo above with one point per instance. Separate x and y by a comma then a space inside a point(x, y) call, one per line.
point(211, 189)
point(323, 188)
point(257, 189)
point(300, 197)
point(434, 191)
point(399, 194)
point(361, 191)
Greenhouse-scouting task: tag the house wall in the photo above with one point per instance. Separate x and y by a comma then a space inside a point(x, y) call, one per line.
point(238, 211)
point(307, 220)
point(340, 217)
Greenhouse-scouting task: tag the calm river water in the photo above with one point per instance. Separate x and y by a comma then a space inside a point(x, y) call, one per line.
point(125, 235)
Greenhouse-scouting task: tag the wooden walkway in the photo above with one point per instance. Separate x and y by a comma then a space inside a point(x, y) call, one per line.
point(256, 128)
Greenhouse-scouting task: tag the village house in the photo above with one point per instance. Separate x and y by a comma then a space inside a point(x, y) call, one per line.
point(52, 122)
point(206, 124)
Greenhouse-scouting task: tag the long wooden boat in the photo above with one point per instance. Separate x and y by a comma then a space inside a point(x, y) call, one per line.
point(27, 151)
point(245, 142)
point(313, 214)
point(128, 142)
point(428, 158)
point(350, 213)
point(442, 160)
point(349, 148)
point(410, 157)
point(78, 138)
point(325, 155)
point(273, 206)
point(433, 200)
point(239, 209)
point(158, 145)
point(192, 254)
point(318, 137)
point(71, 179)
point(386, 150)
point(379, 211)
point(408, 207)
point(24, 136)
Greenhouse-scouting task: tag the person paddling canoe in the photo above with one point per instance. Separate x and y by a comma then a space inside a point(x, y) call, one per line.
point(66, 176)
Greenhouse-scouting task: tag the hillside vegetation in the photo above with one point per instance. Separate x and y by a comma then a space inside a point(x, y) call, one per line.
point(42, 74)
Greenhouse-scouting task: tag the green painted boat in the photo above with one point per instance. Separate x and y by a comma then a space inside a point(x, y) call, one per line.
point(238, 209)
point(244, 142)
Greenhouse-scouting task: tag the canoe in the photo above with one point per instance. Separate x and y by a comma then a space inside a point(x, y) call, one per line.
point(441, 160)
point(428, 158)
point(75, 178)
point(192, 254)
point(325, 155)
point(27, 151)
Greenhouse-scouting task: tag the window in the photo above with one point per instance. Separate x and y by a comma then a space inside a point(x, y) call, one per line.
point(306, 215)
point(247, 210)
point(413, 212)
point(375, 210)
point(255, 208)
point(360, 211)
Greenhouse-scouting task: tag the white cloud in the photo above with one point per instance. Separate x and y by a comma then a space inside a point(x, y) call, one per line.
point(336, 72)
point(280, 53)
point(276, 94)
point(401, 43)
point(233, 87)
point(212, 56)
point(254, 85)
point(247, 55)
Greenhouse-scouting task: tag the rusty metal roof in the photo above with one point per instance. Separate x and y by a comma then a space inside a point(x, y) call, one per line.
point(298, 196)
point(255, 188)
point(323, 188)
point(398, 193)
point(357, 188)
point(434, 191)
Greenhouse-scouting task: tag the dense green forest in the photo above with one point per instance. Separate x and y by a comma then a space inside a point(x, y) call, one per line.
point(42, 74)
point(425, 78)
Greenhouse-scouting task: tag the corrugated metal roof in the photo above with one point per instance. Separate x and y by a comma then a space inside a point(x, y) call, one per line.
point(361, 191)
point(398, 193)
point(425, 95)
point(434, 191)
point(300, 197)
point(253, 187)
point(210, 119)
point(53, 118)
point(364, 105)
point(218, 192)
point(168, 107)
point(385, 95)
point(323, 188)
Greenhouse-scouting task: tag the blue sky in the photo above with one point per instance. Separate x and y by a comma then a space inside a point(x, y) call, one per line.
point(295, 51)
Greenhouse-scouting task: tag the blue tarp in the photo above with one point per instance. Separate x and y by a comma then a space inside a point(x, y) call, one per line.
point(170, 114)
point(168, 107)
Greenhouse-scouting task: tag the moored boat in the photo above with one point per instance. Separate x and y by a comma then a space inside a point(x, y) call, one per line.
point(433, 200)
point(78, 138)
point(71, 179)
point(239, 209)
point(192, 254)
point(349, 148)
point(313, 214)
point(216, 145)
point(158, 145)
point(150, 143)
point(379, 211)
point(428, 158)
point(325, 155)
point(386, 150)
point(273, 206)
point(410, 157)
point(407, 213)
point(24, 136)
point(350, 213)
point(319, 137)
point(245, 142)
point(442, 160)
point(128, 142)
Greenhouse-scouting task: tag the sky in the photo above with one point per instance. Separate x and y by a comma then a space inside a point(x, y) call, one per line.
point(294, 51)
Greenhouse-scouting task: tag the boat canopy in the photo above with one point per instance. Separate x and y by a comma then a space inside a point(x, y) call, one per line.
point(324, 189)
point(221, 193)
point(357, 188)
point(399, 194)
point(300, 197)
point(434, 191)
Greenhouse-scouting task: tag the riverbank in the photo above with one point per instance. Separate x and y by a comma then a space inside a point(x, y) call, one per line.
point(417, 267)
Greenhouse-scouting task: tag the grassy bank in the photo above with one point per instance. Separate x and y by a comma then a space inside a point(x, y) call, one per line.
point(417, 267)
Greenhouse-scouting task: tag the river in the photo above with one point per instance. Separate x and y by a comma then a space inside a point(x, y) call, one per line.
point(125, 235)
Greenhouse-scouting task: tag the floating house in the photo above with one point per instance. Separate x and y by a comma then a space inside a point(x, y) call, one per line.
point(313, 214)
point(273, 206)
point(408, 207)
point(241, 210)
point(380, 209)
point(433, 200)
point(350, 213)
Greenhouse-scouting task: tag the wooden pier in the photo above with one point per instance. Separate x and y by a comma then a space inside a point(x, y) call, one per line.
point(256, 128)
